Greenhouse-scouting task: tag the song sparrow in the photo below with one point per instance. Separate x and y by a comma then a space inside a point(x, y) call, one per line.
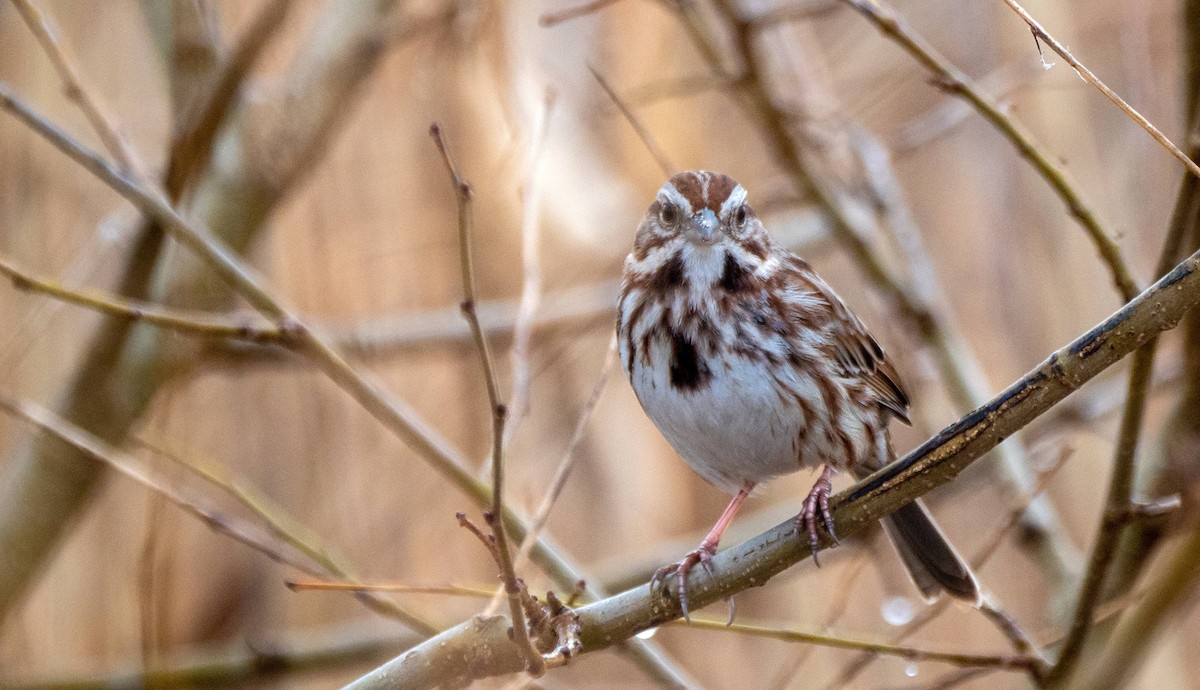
point(752, 367)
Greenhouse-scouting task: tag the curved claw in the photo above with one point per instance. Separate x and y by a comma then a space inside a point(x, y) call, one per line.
point(702, 555)
point(815, 514)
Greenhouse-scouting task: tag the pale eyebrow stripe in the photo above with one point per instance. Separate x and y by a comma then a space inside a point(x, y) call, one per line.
point(672, 194)
point(736, 197)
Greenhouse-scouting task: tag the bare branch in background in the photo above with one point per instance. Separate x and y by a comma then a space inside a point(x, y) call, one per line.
point(284, 528)
point(531, 261)
point(1017, 662)
point(953, 80)
point(668, 168)
point(203, 325)
point(1041, 34)
point(47, 35)
point(264, 540)
point(218, 666)
point(581, 10)
point(46, 483)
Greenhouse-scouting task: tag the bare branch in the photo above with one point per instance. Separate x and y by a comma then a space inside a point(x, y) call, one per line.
point(245, 661)
point(952, 80)
point(286, 529)
point(1041, 34)
point(1003, 661)
point(264, 541)
point(199, 324)
point(660, 156)
point(535, 665)
point(192, 144)
point(47, 35)
point(553, 18)
point(531, 287)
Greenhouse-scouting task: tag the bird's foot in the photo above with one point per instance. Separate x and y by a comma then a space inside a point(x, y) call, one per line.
point(702, 555)
point(815, 514)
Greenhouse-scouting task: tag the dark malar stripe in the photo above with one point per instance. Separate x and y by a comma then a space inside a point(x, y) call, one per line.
point(668, 276)
point(735, 277)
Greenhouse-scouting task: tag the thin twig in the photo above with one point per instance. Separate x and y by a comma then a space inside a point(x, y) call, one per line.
point(677, 87)
point(1041, 34)
point(200, 324)
point(446, 590)
point(1019, 662)
point(535, 665)
point(47, 35)
point(554, 18)
point(837, 608)
point(952, 80)
point(278, 523)
point(656, 151)
point(241, 530)
point(538, 522)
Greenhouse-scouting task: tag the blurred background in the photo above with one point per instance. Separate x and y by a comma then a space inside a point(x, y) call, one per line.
point(322, 173)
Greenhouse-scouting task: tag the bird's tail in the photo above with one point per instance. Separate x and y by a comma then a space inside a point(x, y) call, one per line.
point(933, 564)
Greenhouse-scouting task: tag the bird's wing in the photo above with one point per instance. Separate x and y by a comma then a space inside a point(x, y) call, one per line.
point(854, 350)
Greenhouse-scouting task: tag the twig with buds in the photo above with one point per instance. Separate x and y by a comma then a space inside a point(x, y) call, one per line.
point(535, 665)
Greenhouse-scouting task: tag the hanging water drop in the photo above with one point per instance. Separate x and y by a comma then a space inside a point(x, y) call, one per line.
point(897, 610)
point(647, 633)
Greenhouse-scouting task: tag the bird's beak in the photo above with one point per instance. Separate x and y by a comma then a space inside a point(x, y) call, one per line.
point(703, 225)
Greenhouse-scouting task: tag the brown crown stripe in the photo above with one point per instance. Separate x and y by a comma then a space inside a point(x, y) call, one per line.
point(690, 186)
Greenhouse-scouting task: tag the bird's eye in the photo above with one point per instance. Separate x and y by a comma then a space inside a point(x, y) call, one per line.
point(739, 216)
point(669, 214)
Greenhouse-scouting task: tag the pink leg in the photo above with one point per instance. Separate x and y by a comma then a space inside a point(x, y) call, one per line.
point(704, 553)
point(816, 510)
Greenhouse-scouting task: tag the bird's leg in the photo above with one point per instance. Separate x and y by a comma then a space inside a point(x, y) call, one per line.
point(816, 510)
point(703, 553)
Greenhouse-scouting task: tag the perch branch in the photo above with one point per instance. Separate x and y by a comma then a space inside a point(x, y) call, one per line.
point(480, 647)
